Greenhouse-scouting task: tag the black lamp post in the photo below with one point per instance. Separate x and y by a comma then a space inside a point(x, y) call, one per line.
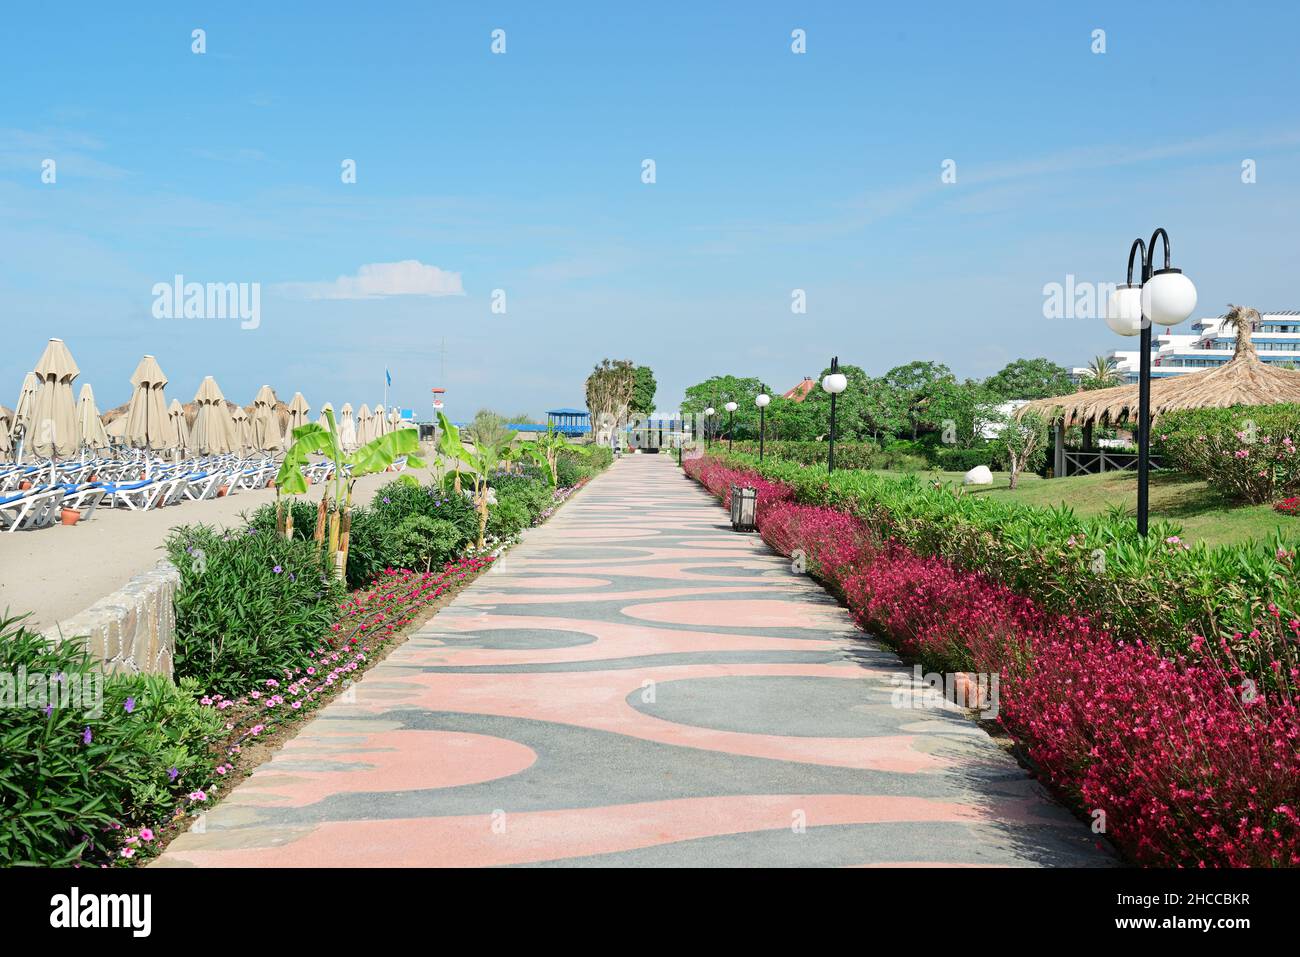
point(833, 382)
point(731, 423)
point(1164, 297)
point(762, 400)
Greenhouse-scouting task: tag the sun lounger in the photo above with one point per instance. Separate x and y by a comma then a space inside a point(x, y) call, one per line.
point(31, 509)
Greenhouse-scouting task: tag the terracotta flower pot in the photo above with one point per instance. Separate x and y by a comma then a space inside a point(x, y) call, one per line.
point(222, 490)
point(70, 516)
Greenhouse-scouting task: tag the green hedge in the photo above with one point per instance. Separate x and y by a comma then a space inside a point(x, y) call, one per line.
point(1155, 589)
point(900, 456)
point(1250, 453)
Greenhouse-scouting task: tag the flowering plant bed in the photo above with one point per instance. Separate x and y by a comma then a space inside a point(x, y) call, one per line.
point(1183, 758)
point(1288, 506)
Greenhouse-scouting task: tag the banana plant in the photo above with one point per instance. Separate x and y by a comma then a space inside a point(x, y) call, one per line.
point(481, 461)
point(336, 504)
point(546, 452)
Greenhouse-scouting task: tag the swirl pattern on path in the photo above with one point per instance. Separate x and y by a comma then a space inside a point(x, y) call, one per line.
point(637, 685)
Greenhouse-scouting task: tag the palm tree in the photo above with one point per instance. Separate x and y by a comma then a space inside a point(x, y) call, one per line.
point(1100, 373)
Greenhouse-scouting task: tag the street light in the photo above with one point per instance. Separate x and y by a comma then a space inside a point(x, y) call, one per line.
point(709, 413)
point(731, 422)
point(762, 400)
point(1163, 296)
point(833, 382)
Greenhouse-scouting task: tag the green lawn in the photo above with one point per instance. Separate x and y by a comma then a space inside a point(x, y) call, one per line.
point(1203, 514)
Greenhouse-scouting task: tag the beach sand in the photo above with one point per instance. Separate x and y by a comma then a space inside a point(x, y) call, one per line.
point(54, 573)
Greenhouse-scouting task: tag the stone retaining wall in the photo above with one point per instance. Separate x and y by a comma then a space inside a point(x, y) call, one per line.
point(133, 630)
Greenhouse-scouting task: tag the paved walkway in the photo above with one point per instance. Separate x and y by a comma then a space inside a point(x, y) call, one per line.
point(637, 684)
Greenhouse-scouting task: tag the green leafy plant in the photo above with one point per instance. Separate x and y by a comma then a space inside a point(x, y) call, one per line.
point(422, 542)
point(91, 753)
point(249, 604)
point(333, 524)
point(1249, 453)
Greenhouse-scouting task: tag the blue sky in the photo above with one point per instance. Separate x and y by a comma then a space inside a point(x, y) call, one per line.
point(522, 172)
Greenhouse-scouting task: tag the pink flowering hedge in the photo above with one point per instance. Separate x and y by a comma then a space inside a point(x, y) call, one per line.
point(1193, 762)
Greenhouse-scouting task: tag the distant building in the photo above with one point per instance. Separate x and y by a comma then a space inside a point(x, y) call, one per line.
point(1209, 343)
point(800, 392)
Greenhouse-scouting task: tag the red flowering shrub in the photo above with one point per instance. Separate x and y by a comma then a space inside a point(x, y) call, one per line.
point(719, 479)
point(1191, 762)
point(1288, 506)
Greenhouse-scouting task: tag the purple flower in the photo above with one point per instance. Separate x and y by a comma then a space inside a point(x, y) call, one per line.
point(277, 569)
point(48, 709)
point(172, 774)
point(86, 737)
point(130, 705)
point(387, 500)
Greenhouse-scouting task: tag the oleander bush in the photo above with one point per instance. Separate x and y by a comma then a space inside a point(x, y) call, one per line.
point(74, 771)
point(1186, 744)
point(1247, 452)
point(249, 602)
point(422, 543)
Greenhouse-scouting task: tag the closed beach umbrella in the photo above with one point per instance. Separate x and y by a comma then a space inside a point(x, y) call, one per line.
point(266, 422)
point(178, 431)
point(213, 432)
point(145, 426)
point(243, 429)
point(381, 424)
point(6, 426)
point(347, 429)
point(393, 419)
point(26, 400)
point(324, 421)
point(90, 427)
point(298, 409)
point(53, 426)
point(365, 425)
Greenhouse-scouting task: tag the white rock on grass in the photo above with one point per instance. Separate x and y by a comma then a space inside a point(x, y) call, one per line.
point(979, 475)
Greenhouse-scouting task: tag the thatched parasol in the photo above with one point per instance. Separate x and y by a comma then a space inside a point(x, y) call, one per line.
point(1243, 380)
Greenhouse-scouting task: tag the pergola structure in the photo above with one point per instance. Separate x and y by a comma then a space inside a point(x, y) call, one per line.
point(1243, 380)
point(569, 421)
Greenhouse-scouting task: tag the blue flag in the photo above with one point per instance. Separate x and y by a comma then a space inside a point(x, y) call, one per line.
point(388, 377)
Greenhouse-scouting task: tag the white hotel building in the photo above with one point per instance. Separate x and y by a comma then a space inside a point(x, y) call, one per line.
point(1209, 343)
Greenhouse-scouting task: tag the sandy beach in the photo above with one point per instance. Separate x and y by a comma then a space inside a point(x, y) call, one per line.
point(59, 571)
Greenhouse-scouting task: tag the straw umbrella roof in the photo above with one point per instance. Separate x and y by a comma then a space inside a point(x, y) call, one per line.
point(90, 427)
point(1243, 380)
point(53, 426)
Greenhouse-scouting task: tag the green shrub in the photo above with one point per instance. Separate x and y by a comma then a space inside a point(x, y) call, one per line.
point(249, 604)
point(70, 774)
point(509, 516)
point(848, 455)
point(529, 488)
point(1249, 453)
point(420, 542)
point(963, 460)
point(304, 516)
point(1155, 589)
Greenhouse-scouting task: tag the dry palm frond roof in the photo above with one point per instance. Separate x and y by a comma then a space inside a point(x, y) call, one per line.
point(1244, 379)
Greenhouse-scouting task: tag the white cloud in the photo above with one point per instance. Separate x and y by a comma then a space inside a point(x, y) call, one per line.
point(410, 277)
